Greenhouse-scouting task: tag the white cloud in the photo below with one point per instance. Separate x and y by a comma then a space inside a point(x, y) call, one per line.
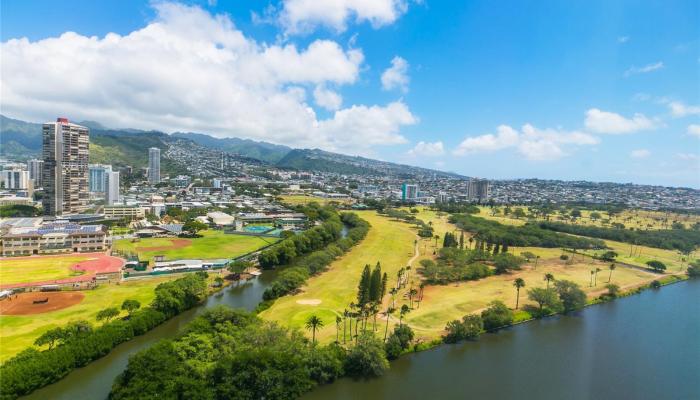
point(326, 98)
point(623, 39)
point(645, 69)
point(189, 70)
point(427, 149)
point(679, 109)
point(532, 143)
point(301, 16)
point(396, 76)
point(599, 121)
point(640, 153)
point(694, 130)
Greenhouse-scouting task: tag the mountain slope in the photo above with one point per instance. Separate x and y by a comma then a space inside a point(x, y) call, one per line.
point(262, 151)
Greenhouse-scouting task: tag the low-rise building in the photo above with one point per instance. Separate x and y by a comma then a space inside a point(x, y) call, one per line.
point(130, 212)
point(52, 238)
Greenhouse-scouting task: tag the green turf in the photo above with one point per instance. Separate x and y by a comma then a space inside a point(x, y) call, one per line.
point(212, 244)
point(388, 241)
point(19, 332)
point(38, 269)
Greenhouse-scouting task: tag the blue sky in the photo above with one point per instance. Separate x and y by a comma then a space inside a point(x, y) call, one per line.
point(594, 90)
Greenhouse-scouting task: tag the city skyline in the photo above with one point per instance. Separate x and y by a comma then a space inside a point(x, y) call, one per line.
point(589, 94)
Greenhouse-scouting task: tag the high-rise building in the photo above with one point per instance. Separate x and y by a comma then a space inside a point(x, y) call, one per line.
point(112, 187)
point(98, 177)
point(36, 168)
point(478, 189)
point(16, 179)
point(154, 165)
point(65, 174)
point(409, 192)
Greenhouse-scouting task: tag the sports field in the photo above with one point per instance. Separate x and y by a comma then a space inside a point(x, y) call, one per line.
point(20, 271)
point(328, 294)
point(17, 332)
point(212, 244)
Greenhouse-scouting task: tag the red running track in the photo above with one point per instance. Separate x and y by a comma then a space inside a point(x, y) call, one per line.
point(99, 263)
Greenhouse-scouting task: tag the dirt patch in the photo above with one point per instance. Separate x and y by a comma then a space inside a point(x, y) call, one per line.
point(23, 303)
point(309, 302)
point(175, 244)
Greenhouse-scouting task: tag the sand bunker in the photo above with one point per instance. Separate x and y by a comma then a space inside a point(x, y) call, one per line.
point(309, 302)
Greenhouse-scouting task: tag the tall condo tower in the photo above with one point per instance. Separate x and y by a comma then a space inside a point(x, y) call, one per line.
point(154, 165)
point(36, 169)
point(65, 151)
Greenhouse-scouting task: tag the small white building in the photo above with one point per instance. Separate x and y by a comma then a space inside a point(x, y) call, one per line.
point(221, 218)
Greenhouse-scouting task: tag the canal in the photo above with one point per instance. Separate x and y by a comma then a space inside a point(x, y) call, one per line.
point(94, 381)
point(640, 347)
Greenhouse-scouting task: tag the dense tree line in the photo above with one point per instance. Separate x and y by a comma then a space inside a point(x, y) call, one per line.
point(533, 235)
point(79, 343)
point(684, 240)
point(19, 210)
point(298, 271)
point(456, 208)
point(232, 354)
point(304, 243)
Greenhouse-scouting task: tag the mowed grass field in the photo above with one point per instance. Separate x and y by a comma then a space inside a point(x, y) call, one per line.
point(442, 304)
point(302, 199)
point(328, 294)
point(212, 244)
point(18, 332)
point(638, 219)
point(38, 269)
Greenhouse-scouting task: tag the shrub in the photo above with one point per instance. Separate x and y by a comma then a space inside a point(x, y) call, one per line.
point(367, 359)
point(497, 315)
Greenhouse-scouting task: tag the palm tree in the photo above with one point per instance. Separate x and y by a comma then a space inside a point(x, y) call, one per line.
point(518, 283)
point(387, 314)
point(393, 292)
point(313, 323)
point(549, 278)
point(471, 240)
point(596, 276)
point(338, 320)
point(612, 268)
point(592, 273)
point(411, 294)
point(345, 319)
point(537, 258)
point(399, 274)
point(408, 274)
point(437, 237)
point(404, 310)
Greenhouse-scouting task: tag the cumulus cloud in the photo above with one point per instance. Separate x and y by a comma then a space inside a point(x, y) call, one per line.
point(301, 16)
point(531, 142)
point(679, 109)
point(396, 76)
point(427, 149)
point(640, 153)
point(327, 98)
point(645, 69)
point(189, 70)
point(599, 121)
point(694, 130)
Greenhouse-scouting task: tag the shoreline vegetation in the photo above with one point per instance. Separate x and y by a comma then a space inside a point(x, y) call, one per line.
point(80, 342)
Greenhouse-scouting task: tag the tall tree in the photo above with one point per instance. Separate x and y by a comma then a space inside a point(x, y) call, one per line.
point(338, 320)
point(363, 287)
point(518, 283)
point(385, 282)
point(404, 310)
point(375, 284)
point(387, 314)
point(612, 268)
point(549, 278)
point(313, 323)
